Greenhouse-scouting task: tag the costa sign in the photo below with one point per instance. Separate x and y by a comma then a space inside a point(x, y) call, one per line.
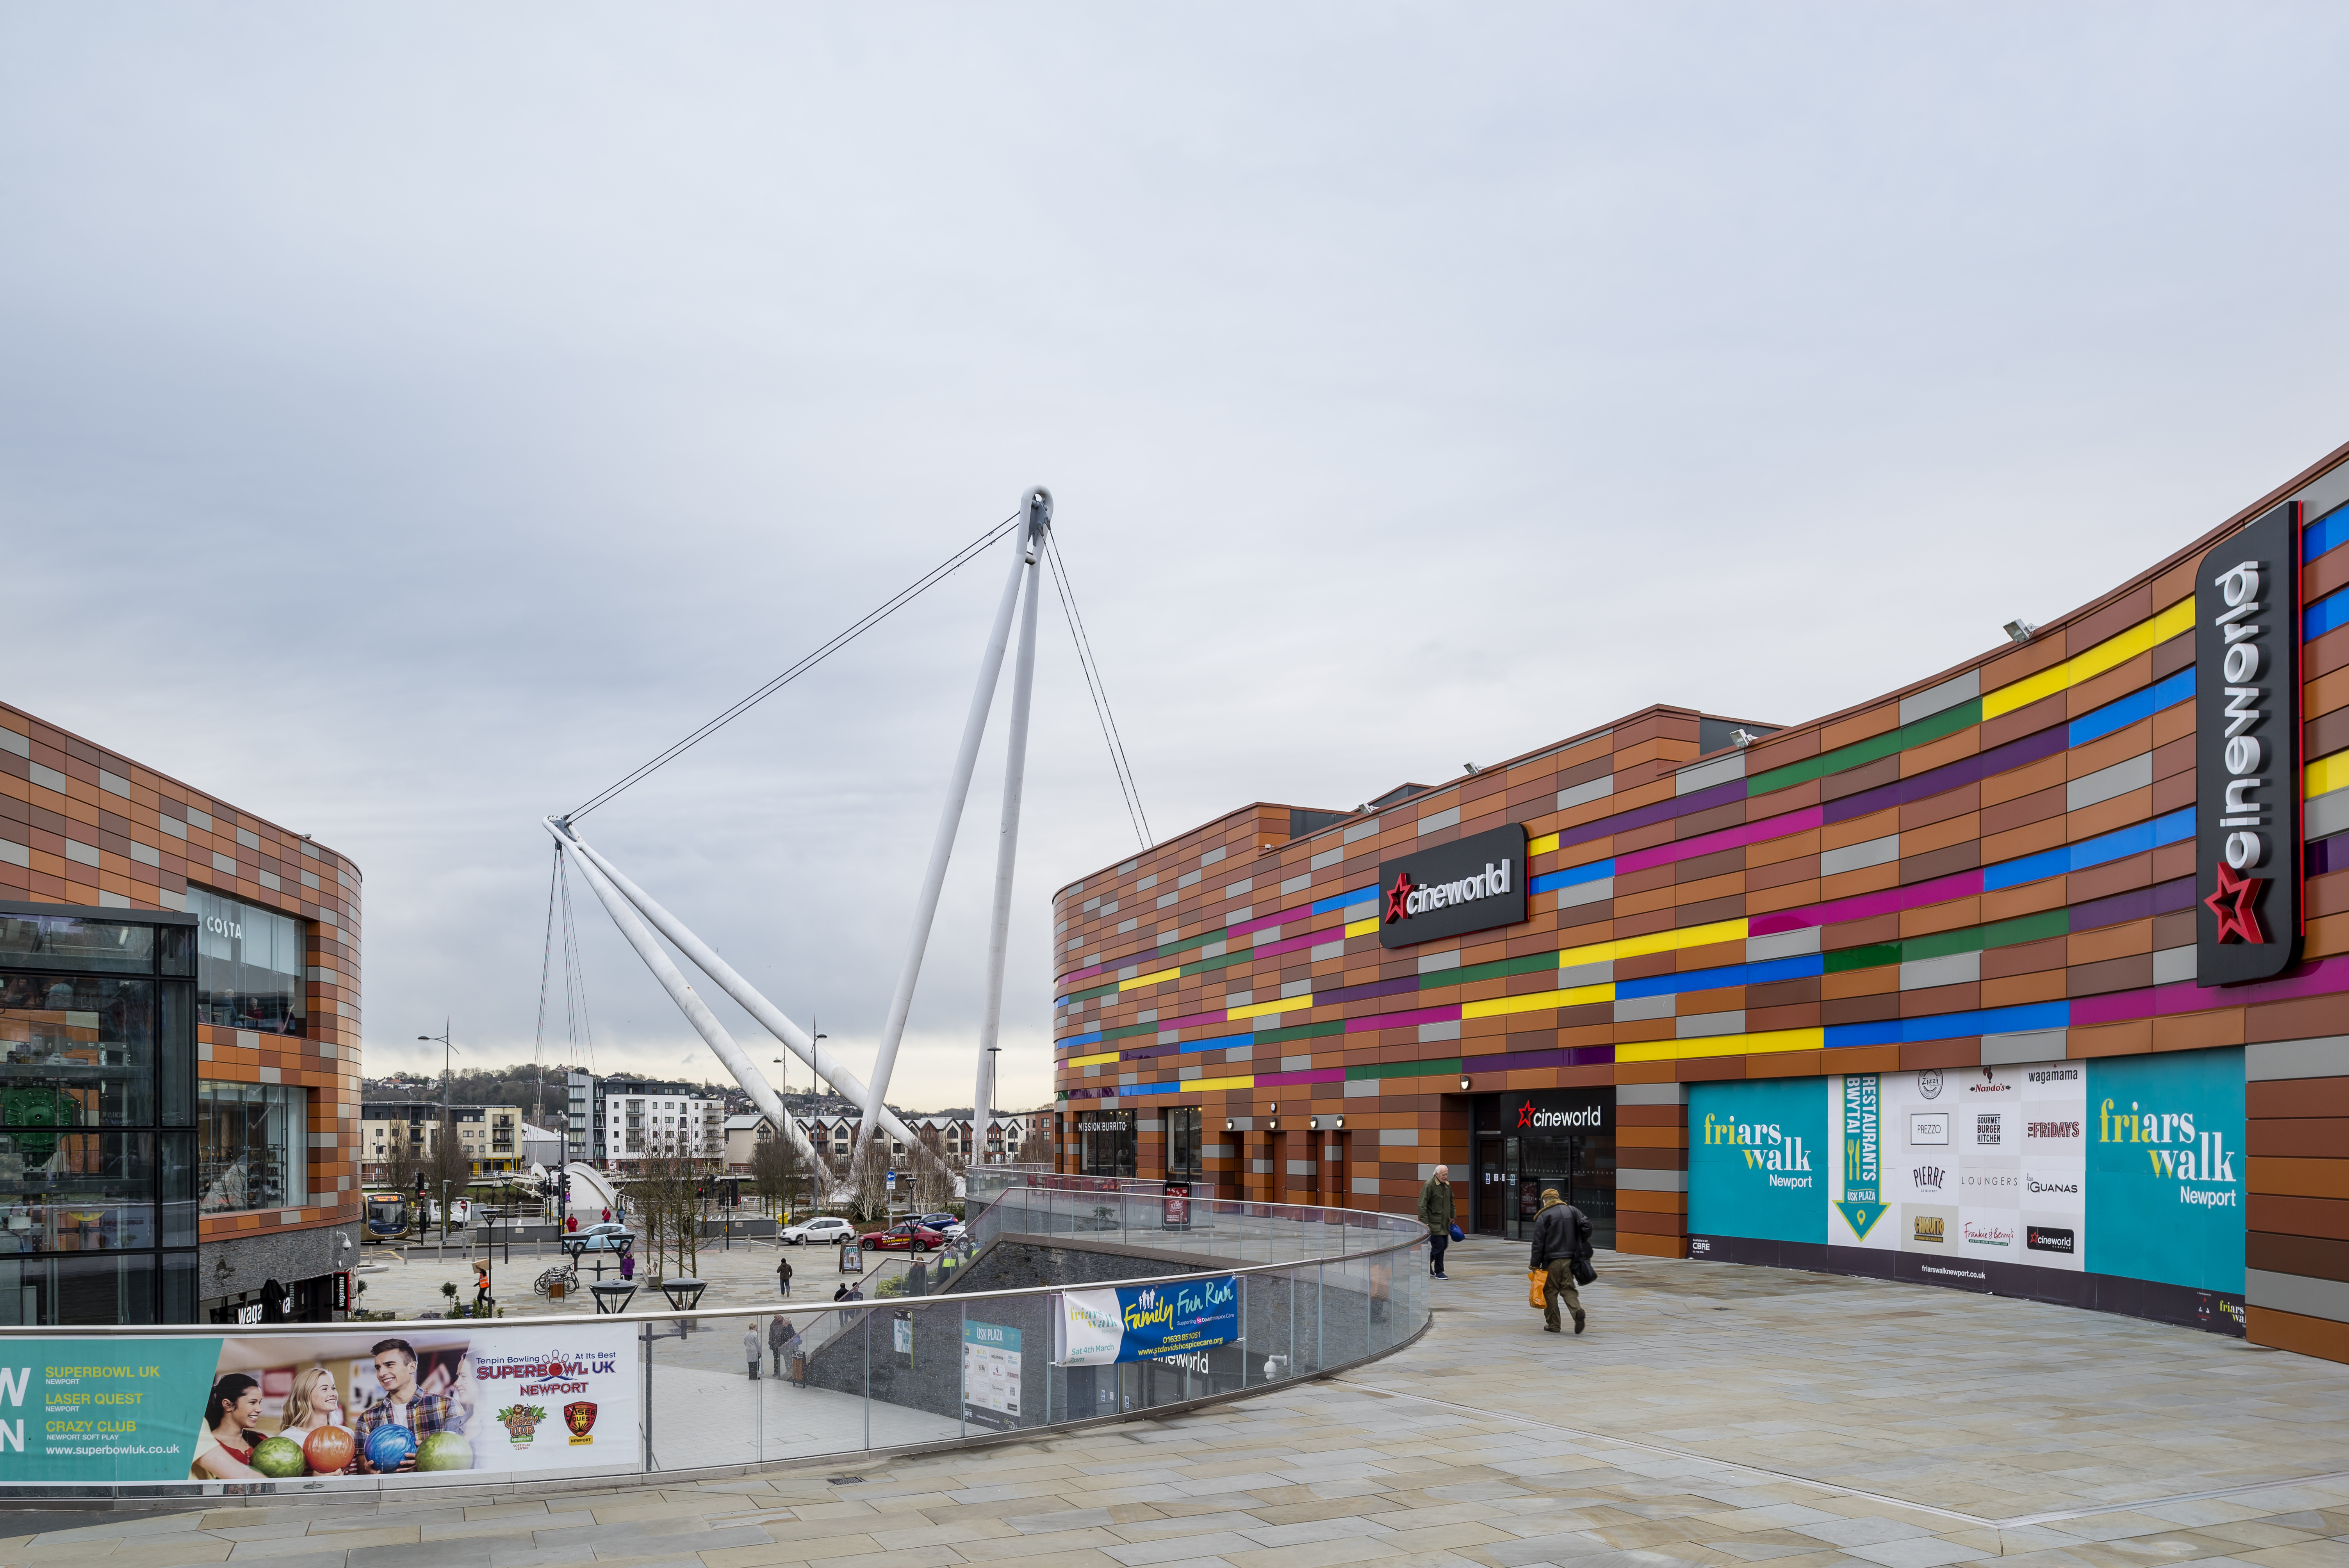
point(2246, 752)
point(1470, 885)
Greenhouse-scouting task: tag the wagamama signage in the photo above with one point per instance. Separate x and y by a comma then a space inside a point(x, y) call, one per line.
point(2246, 752)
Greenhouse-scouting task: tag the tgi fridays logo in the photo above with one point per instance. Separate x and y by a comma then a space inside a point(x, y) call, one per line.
point(2246, 751)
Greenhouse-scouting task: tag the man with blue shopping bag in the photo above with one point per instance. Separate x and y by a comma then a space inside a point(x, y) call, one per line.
point(1435, 1213)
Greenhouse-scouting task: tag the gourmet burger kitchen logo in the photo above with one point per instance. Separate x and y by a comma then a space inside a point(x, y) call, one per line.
point(1473, 884)
point(2247, 771)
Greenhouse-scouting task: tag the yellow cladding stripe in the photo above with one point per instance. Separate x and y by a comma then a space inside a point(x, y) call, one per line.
point(1089, 1061)
point(1188, 1085)
point(2115, 650)
point(1541, 846)
point(1535, 1001)
point(2327, 773)
point(1150, 979)
point(1722, 1045)
point(1285, 1004)
point(1363, 927)
point(1659, 942)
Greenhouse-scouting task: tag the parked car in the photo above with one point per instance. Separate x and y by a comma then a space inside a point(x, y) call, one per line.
point(825, 1230)
point(946, 1224)
point(907, 1236)
point(613, 1237)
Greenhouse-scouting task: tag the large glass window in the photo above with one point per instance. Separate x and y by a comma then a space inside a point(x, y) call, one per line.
point(1182, 1144)
point(249, 966)
point(1105, 1142)
point(77, 1050)
point(253, 1146)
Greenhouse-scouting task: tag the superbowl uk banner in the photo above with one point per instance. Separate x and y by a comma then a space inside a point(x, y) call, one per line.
point(391, 1401)
point(1101, 1326)
point(2117, 1182)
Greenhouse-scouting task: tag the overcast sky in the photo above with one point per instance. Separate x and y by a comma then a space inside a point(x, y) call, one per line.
point(411, 417)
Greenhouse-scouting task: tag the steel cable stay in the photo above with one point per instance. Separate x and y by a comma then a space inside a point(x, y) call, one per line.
point(1099, 690)
point(638, 916)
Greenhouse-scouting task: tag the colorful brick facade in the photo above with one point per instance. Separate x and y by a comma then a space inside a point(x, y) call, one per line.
point(1995, 864)
point(81, 825)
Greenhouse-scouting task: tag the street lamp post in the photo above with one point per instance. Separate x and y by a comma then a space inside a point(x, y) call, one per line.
point(447, 1050)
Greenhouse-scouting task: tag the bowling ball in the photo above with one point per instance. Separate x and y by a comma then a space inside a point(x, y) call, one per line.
point(387, 1445)
point(445, 1452)
point(279, 1459)
point(328, 1449)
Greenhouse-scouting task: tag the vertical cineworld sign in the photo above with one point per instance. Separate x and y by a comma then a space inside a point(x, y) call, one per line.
point(2246, 752)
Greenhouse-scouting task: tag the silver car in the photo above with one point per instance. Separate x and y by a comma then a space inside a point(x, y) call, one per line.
point(825, 1230)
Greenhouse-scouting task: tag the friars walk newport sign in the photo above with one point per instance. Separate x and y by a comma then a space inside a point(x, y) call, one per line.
point(1470, 885)
point(2246, 752)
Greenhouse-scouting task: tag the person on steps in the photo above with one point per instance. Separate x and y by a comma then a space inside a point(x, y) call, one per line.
point(1561, 1235)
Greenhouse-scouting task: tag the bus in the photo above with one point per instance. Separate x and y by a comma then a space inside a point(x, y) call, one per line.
point(388, 1213)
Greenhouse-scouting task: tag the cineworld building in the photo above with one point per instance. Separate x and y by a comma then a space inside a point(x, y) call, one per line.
point(2030, 977)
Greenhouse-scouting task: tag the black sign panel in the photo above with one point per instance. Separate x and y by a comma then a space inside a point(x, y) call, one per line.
point(2246, 752)
point(1470, 884)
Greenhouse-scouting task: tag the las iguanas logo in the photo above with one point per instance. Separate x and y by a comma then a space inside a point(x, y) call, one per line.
point(1785, 1158)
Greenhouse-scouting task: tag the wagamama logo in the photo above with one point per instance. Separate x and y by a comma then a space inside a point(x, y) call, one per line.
point(1408, 898)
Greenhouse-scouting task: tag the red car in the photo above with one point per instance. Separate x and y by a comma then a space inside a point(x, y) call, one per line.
point(909, 1235)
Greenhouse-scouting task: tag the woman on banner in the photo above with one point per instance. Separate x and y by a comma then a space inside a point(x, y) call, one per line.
point(315, 1404)
point(224, 1448)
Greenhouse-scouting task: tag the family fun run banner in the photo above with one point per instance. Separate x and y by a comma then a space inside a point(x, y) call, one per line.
point(354, 1406)
point(2115, 1182)
point(1102, 1327)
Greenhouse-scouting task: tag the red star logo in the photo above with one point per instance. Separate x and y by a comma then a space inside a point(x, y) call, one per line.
point(1525, 1114)
point(2232, 904)
point(1396, 895)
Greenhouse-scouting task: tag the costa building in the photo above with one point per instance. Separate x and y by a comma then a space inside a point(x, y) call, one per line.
point(179, 1011)
point(2027, 977)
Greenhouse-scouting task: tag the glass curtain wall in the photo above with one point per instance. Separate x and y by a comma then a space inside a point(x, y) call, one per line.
point(249, 966)
point(97, 1217)
point(254, 1148)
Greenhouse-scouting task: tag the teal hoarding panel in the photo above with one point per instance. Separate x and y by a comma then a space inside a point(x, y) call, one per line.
point(2166, 1168)
point(1757, 1159)
point(91, 1412)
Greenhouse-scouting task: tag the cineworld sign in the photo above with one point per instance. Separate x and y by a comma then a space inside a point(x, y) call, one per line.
point(2247, 779)
point(1470, 885)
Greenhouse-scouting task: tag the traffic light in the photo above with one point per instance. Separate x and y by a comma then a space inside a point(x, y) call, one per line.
point(420, 1183)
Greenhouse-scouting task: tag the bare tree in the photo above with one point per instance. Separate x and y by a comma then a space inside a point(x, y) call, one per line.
point(774, 1168)
point(447, 1171)
point(869, 1196)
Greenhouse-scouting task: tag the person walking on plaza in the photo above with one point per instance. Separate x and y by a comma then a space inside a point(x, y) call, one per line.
point(750, 1347)
point(780, 1332)
point(1435, 1213)
point(1561, 1235)
point(783, 1277)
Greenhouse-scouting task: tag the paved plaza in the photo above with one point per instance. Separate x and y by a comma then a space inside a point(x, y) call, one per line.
point(1712, 1415)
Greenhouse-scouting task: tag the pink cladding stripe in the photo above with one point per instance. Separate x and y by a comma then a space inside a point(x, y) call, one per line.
point(1727, 839)
point(2319, 978)
point(1868, 905)
point(1311, 1075)
point(1404, 1020)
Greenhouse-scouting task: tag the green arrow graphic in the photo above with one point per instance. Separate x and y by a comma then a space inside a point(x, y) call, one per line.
point(1860, 1216)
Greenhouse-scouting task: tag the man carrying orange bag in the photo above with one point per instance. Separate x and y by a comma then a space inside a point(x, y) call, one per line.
point(1561, 1235)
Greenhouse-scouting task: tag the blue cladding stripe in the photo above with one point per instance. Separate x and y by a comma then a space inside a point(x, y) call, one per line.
point(1340, 901)
point(2133, 840)
point(1571, 876)
point(2138, 705)
point(1221, 1043)
point(1801, 967)
point(2321, 617)
point(2327, 533)
point(1953, 1025)
point(1075, 1040)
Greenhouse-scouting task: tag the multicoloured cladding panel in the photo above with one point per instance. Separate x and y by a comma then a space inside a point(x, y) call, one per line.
point(83, 825)
point(1997, 868)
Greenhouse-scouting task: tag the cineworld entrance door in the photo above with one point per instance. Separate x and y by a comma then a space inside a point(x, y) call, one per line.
point(1548, 1138)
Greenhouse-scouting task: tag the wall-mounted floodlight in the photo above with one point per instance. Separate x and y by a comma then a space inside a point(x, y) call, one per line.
point(1463, 1083)
point(2020, 631)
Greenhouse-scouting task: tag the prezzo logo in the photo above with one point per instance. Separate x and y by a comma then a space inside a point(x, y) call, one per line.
point(1530, 1114)
point(1408, 898)
point(233, 929)
point(1785, 1158)
point(1928, 1179)
point(2173, 1150)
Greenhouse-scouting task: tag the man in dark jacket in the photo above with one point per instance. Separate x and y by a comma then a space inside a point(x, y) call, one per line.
point(1435, 1213)
point(1561, 1235)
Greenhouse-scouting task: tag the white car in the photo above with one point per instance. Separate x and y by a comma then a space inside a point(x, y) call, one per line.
point(825, 1230)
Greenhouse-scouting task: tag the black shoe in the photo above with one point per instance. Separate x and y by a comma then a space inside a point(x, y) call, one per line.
point(1578, 1323)
point(1549, 1328)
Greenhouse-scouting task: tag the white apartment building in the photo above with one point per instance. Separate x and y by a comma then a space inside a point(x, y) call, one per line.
point(641, 1121)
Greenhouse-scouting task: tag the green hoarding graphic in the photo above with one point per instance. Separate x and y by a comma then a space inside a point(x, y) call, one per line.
point(88, 1411)
point(1862, 1203)
point(1756, 1160)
